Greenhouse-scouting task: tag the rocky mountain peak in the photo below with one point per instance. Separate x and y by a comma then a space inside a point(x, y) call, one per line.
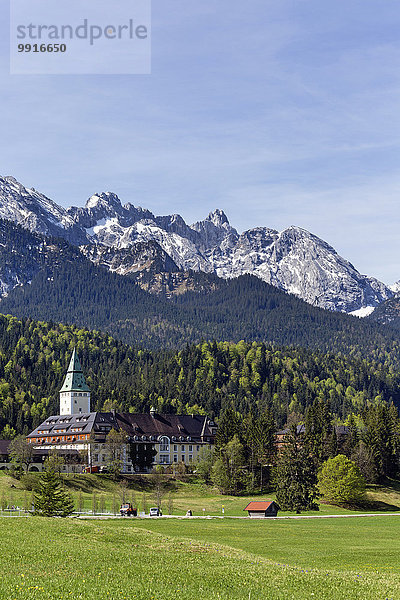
point(218, 218)
point(395, 287)
point(35, 212)
point(294, 259)
point(103, 200)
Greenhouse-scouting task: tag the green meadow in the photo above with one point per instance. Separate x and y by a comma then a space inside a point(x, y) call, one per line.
point(106, 495)
point(170, 558)
point(166, 559)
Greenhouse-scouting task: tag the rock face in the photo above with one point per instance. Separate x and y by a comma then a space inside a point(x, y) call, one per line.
point(302, 264)
point(128, 239)
point(142, 256)
point(24, 254)
point(36, 212)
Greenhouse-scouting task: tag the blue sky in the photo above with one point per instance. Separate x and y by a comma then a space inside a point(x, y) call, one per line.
point(279, 112)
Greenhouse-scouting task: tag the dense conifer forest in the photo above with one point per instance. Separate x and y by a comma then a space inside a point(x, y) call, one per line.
point(66, 287)
point(208, 377)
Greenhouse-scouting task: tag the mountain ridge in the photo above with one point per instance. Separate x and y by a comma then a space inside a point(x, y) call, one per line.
point(293, 260)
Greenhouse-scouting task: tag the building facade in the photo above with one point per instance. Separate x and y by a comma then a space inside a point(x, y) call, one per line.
point(81, 435)
point(75, 393)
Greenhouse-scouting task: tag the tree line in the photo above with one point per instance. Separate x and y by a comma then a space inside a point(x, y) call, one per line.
point(65, 286)
point(249, 457)
point(206, 378)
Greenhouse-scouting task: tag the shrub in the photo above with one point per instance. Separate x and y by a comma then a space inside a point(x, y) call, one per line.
point(29, 481)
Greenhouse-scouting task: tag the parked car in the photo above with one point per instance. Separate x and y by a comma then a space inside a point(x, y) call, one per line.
point(127, 510)
point(155, 512)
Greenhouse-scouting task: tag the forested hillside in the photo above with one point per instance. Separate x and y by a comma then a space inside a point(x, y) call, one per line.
point(68, 288)
point(388, 312)
point(209, 377)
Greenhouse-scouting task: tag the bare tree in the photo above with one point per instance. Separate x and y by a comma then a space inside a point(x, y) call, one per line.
point(114, 448)
point(159, 488)
point(21, 452)
point(54, 462)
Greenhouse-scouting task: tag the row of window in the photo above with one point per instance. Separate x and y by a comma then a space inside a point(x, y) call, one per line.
point(165, 460)
point(164, 447)
point(73, 429)
point(54, 440)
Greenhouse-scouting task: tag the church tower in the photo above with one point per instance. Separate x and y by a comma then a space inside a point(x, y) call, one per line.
point(74, 394)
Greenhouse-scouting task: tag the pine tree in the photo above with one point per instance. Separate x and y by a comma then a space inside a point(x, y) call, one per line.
point(296, 475)
point(229, 472)
point(50, 500)
point(318, 430)
point(228, 426)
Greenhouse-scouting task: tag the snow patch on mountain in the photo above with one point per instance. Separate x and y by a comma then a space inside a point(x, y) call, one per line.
point(294, 259)
point(182, 251)
point(300, 263)
point(363, 312)
point(395, 287)
point(36, 212)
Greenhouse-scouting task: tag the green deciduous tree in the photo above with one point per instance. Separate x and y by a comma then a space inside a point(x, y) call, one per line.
point(340, 481)
point(8, 432)
point(204, 463)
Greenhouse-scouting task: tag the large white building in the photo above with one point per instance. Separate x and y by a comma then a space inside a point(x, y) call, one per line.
point(81, 435)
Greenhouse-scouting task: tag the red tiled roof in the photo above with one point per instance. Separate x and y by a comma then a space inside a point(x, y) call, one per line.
point(261, 506)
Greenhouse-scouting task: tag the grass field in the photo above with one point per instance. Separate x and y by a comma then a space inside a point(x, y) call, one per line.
point(167, 559)
point(201, 499)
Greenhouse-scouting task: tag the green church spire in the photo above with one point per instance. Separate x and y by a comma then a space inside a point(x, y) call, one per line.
point(75, 380)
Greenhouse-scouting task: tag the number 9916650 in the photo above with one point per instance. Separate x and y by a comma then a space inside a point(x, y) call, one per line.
point(42, 48)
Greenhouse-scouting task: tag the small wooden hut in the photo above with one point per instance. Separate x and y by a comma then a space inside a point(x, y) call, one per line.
point(261, 509)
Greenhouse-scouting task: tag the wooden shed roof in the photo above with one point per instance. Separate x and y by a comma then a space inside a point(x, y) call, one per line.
point(261, 506)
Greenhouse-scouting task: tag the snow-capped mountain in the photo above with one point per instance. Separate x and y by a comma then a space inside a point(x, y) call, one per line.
point(36, 212)
point(127, 239)
point(142, 256)
point(395, 287)
point(300, 263)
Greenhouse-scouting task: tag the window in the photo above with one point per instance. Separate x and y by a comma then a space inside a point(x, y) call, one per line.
point(96, 457)
point(190, 458)
point(198, 448)
point(164, 459)
point(175, 458)
point(175, 447)
point(190, 448)
point(164, 444)
point(183, 448)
